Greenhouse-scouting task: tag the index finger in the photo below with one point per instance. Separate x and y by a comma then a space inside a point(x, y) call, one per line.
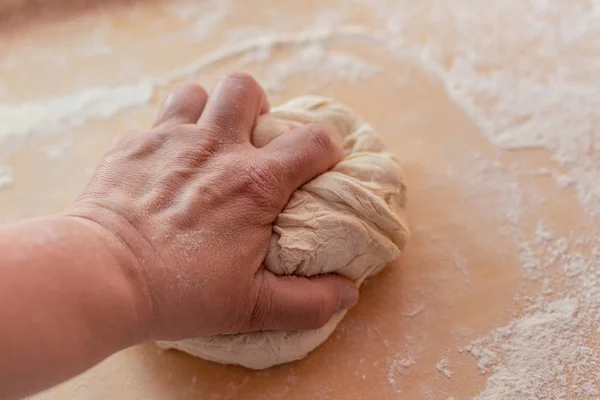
point(234, 106)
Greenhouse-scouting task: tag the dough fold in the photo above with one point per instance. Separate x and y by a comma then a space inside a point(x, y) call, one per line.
point(349, 221)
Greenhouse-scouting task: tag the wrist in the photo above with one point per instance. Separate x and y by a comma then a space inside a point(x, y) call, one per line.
point(121, 270)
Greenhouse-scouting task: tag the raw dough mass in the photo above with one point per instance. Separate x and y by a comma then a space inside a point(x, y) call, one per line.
point(348, 221)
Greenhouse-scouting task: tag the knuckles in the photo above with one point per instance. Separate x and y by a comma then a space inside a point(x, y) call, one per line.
point(181, 147)
point(262, 184)
point(172, 162)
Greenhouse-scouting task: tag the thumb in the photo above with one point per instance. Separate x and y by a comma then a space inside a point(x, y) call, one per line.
point(291, 303)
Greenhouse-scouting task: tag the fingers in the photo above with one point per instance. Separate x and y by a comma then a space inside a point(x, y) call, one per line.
point(234, 106)
point(299, 303)
point(183, 105)
point(300, 155)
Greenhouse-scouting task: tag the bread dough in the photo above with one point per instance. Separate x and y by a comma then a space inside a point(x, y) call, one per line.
point(349, 220)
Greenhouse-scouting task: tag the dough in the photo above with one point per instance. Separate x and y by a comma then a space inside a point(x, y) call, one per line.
point(348, 221)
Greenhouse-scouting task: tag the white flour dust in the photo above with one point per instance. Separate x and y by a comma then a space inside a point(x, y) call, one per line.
point(321, 65)
point(21, 120)
point(443, 367)
point(523, 82)
point(398, 366)
point(543, 355)
point(48, 115)
point(544, 97)
point(204, 16)
point(6, 179)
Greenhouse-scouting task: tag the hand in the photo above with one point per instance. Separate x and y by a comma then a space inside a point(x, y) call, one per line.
point(192, 203)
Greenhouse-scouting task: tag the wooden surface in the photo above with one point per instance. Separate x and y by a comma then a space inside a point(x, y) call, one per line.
point(458, 277)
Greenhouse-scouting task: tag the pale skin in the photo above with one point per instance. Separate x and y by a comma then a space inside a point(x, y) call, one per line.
point(166, 242)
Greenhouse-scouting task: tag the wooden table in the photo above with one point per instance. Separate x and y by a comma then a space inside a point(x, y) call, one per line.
point(460, 274)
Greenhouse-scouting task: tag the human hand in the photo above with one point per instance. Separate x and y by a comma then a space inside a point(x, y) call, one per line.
point(192, 202)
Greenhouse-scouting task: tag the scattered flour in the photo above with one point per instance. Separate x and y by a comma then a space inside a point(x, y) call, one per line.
point(461, 264)
point(543, 355)
point(19, 120)
point(6, 179)
point(548, 99)
point(547, 352)
point(398, 366)
point(57, 151)
point(536, 100)
point(494, 188)
point(22, 119)
point(443, 368)
point(204, 16)
point(322, 65)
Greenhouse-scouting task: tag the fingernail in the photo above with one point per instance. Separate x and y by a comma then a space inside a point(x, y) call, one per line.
point(348, 297)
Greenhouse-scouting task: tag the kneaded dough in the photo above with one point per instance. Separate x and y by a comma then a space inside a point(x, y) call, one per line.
point(349, 220)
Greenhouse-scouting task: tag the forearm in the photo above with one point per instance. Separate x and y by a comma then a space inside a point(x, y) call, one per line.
point(65, 302)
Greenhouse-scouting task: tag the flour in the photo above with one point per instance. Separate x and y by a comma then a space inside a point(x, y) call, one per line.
point(204, 17)
point(545, 100)
point(22, 119)
point(267, 44)
point(443, 368)
point(461, 264)
point(322, 65)
point(398, 366)
point(542, 355)
point(545, 353)
point(49, 116)
point(58, 151)
point(312, 59)
point(534, 102)
point(502, 196)
point(6, 179)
